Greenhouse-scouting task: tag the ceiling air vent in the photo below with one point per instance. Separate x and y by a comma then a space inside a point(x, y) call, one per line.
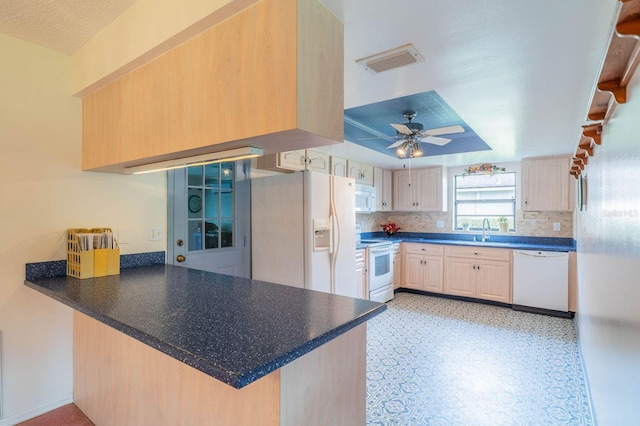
point(390, 59)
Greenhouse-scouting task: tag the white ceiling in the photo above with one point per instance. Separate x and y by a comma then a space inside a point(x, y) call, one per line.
point(519, 72)
point(62, 25)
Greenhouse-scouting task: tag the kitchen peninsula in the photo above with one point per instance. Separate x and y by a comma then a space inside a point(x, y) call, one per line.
point(168, 345)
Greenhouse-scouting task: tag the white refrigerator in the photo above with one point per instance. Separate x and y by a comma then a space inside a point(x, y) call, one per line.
point(303, 231)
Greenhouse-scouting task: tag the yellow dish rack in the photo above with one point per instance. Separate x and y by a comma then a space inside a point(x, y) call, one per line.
point(94, 262)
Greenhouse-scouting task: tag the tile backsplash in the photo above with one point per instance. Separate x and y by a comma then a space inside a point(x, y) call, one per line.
point(533, 224)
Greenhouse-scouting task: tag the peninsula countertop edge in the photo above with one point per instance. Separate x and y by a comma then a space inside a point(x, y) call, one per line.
point(236, 330)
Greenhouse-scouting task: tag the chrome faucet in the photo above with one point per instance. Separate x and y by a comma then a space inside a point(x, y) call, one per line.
point(485, 231)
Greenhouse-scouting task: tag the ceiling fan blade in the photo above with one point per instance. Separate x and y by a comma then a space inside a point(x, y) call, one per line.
point(402, 129)
point(443, 131)
point(396, 144)
point(376, 137)
point(436, 141)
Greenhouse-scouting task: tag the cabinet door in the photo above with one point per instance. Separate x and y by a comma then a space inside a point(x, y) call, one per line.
point(292, 160)
point(317, 161)
point(378, 183)
point(353, 170)
point(361, 288)
point(546, 185)
point(494, 281)
point(338, 166)
point(366, 173)
point(383, 182)
point(433, 279)
point(397, 270)
point(402, 191)
point(413, 271)
point(460, 277)
point(428, 189)
point(387, 190)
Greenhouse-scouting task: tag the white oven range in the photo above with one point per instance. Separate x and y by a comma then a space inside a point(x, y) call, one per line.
point(379, 269)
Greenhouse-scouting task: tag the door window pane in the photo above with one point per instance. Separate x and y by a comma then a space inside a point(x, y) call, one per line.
point(211, 206)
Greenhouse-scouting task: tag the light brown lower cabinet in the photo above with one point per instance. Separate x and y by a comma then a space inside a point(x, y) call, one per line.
point(482, 273)
point(423, 267)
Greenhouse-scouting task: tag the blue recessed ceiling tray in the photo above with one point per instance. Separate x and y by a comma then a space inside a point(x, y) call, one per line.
point(370, 125)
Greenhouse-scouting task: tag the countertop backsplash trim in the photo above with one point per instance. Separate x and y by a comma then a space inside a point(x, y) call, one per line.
point(58, 268)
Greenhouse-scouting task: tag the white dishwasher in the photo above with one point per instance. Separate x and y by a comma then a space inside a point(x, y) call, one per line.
point(541, 279)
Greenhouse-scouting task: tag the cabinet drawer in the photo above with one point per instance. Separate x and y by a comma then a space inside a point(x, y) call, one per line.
point(479, 253)
point(428, 249)
point(359, 256)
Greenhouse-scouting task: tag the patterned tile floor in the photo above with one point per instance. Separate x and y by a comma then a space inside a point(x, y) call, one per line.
point(434, 361)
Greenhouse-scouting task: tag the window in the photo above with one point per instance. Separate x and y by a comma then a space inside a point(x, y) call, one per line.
point(210, 204)
point(477, 197)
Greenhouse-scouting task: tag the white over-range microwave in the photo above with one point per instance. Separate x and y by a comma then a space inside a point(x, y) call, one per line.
point(365, 199)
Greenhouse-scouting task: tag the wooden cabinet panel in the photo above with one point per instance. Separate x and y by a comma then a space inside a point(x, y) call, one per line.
point(361, 275)
point(418, 190)
point(483, 273)
point(317, 161)
point(402, 191)
point(295, 160)
point(423, 269)
point(424, 249)
point(362, 173)
point(282, 59)
point(413, 273)
point(479, 253)
point(292, 160)
point(546, 184)
point(494, 281)
point(433, 277)
point(428, 195)
point(339, 166)
point(383, 182)
point(460, 277)
point(397, 265)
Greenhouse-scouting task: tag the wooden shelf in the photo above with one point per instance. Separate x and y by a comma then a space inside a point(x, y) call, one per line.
point(618, 66)
point(620, 62)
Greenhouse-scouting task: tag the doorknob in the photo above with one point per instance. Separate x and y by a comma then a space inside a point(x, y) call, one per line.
point(180, 258)
point(179, 243)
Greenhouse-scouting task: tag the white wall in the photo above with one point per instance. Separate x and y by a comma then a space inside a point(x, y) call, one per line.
point(608, 238)
point(42, 193)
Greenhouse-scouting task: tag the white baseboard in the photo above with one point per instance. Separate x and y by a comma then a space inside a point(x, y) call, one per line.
point(35, 412)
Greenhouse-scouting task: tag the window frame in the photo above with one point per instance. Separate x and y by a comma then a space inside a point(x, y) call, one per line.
point(512, 219)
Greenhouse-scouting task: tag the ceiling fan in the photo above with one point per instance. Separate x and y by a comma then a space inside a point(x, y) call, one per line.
point(415, 132)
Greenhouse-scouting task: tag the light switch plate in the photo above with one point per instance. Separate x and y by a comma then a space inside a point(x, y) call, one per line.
point(439, 223)
point(155, 234)
point(556, 226)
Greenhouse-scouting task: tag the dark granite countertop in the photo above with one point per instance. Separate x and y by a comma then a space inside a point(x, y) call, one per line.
point(496, 241)
point(234, 329)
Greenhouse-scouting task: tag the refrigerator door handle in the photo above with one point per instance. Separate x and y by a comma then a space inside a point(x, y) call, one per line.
point(335, 234)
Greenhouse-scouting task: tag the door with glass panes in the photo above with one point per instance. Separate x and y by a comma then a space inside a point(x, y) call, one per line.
point(209, 212)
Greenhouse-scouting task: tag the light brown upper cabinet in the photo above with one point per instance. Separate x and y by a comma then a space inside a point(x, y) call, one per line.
point(361, 172)
point(383, 182)
point(546, 186)
point(419, 189)
point(290, 161)
point(270, 76)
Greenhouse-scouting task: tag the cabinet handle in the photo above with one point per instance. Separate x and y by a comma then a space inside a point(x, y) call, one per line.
point(474, 267)
point(478, 267)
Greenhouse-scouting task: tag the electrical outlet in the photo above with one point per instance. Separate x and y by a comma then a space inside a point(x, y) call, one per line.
point(556, 226)
point(155, 234)
point(439, 223)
